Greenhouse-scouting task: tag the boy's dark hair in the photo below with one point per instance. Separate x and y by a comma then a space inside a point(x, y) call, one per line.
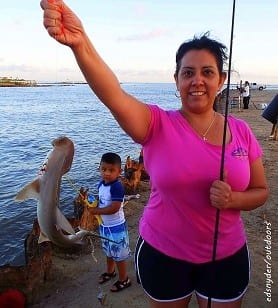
point(203, 42)
point(111, 158)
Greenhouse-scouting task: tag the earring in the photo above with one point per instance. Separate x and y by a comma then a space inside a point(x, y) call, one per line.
point(176, 94)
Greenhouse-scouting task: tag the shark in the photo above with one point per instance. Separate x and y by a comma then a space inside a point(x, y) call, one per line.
point(45, 188)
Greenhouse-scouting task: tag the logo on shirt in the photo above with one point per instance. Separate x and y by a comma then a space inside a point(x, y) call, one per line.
point(240, 153)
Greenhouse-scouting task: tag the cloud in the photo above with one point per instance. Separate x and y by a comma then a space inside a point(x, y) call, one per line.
point(156, 33)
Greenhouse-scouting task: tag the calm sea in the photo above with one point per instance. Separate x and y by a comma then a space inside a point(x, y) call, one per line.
point(30, 119)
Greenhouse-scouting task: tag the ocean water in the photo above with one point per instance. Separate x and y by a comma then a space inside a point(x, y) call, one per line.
point(30, 119)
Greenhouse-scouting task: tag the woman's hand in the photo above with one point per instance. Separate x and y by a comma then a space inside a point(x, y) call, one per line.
point(61, 23)
point(220, 194)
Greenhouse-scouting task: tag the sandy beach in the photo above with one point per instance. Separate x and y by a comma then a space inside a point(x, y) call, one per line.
point(73, 282)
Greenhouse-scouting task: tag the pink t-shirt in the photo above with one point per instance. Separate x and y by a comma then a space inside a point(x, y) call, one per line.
point(179, 219)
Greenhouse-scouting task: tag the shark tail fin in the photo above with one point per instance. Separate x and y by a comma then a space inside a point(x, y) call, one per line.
point(30, 191)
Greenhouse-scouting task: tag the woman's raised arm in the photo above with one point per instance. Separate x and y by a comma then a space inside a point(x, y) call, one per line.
point(66, 28)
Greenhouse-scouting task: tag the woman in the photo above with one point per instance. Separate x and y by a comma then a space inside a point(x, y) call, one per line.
point(182, 153)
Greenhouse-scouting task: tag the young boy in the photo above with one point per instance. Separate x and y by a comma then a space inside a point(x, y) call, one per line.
point(114, 227)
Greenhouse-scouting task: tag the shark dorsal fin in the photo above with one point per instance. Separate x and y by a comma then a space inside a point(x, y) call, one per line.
point(30, 191)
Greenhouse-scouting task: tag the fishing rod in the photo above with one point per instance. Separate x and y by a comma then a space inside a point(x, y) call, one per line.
point(216, 228)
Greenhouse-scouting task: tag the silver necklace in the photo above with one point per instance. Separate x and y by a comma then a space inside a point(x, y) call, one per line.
point(209, 127)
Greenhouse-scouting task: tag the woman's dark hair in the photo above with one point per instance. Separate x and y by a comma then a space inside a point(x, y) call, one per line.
point(203, 42)
point(111, 158)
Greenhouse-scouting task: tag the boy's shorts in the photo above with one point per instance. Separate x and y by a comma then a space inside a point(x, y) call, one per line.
point(118, 246)
point(168, 279)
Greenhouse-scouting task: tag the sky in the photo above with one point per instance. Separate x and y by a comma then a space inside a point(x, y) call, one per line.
point(139, 39)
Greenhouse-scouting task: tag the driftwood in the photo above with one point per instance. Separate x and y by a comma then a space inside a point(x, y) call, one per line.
point(134, 172)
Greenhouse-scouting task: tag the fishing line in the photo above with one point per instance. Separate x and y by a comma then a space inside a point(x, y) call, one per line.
point(216, 228)
point(72, 184)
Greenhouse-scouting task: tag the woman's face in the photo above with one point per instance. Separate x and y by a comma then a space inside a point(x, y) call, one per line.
point(198, 81)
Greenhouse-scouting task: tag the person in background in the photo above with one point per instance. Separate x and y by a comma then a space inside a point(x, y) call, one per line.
point(182, 154)
point(114, 226)
point(246, 95)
